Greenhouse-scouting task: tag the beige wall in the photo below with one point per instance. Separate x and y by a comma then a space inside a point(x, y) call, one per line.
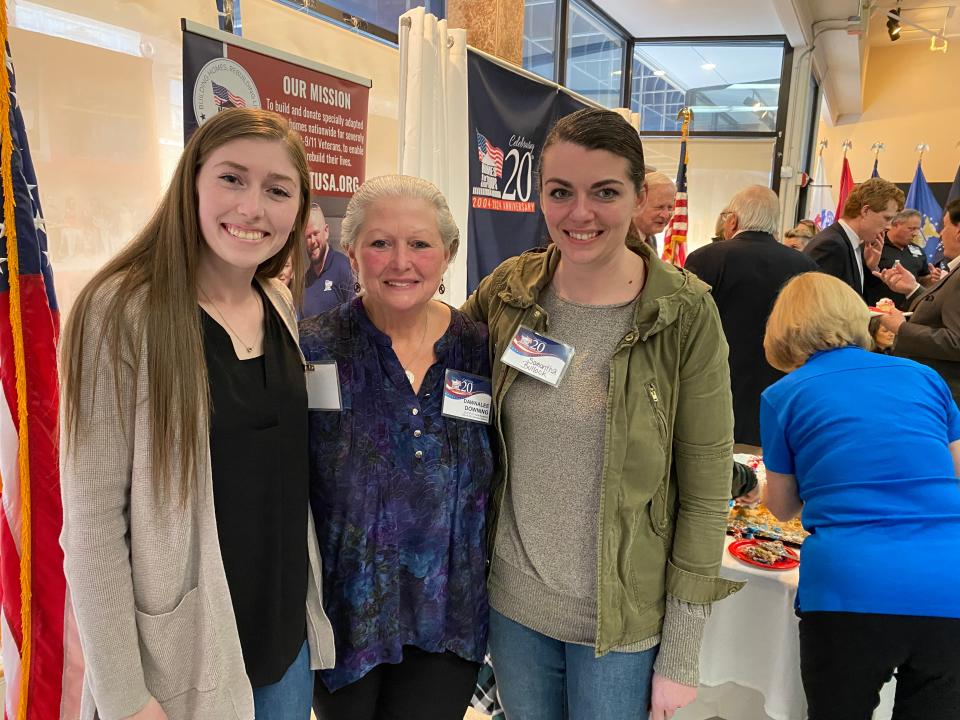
point(106, 127)
point(909, 97)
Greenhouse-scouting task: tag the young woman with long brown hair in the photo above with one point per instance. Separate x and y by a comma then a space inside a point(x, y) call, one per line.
point(189, 549)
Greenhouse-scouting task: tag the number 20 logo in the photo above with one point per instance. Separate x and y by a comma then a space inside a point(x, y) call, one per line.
point(522, 180)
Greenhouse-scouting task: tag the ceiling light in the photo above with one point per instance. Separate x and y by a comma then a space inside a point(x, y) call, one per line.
point(659, 73)
point(708, 66)
point(938, 48)
point(893, 24)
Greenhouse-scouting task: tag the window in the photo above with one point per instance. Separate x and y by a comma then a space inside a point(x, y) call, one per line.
point(378, 18)
point(595, 52)
point(731, 86)
point(539, 42)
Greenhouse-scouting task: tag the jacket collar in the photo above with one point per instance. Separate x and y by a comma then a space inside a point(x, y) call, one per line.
point(666, 290)
point(279, 296)
point(755, 236)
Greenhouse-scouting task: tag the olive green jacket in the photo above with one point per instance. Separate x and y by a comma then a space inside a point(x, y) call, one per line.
point(669, 437)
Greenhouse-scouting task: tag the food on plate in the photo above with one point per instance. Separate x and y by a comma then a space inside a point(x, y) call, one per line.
point(758, 522)
point(885, 305)
point(767, 553)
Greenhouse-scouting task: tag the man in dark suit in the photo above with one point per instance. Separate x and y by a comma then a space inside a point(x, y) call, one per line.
point(746, 273)
point(851, 247)
point(932, 335)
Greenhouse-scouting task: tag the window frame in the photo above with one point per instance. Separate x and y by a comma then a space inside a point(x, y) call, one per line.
point(560, 61)
point(332, 13)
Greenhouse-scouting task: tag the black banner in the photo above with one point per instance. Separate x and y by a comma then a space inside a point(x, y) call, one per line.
point(509, 117)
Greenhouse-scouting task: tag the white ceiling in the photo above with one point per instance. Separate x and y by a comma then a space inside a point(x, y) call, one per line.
point(671, 18)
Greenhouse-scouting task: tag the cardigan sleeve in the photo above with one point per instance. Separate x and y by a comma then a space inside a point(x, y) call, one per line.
point(96, 467)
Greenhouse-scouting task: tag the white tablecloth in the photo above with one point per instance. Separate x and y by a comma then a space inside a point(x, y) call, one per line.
point(750, 662)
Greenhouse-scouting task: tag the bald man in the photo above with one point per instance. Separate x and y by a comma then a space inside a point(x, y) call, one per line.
point(746, 272)
point(656, 212)
point(329, 279)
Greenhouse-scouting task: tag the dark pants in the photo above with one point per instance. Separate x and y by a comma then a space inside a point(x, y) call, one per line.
point(426, 686)
point(845, 658)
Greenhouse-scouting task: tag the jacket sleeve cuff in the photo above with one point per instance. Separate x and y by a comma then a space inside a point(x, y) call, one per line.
point(679, 656)
point(698, 589)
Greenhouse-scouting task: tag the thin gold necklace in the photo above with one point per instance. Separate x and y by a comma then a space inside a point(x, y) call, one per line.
point(248, 348)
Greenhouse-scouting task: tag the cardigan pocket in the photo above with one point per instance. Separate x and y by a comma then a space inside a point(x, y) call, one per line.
point(177, 649)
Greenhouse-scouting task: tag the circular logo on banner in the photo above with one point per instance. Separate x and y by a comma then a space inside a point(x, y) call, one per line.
point(222, 84)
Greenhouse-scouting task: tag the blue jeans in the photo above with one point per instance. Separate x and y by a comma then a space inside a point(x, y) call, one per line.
point(290, 697)
point(540, 678)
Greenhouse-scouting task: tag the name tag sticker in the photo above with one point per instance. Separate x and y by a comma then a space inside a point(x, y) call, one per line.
point(323, 387)
point(467, 397)
point(538, 356)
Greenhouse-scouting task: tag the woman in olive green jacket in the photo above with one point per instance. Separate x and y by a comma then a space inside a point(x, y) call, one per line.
point(606, 528)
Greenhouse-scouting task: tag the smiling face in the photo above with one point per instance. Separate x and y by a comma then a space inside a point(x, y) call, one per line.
point(317, 235)
point(588, 202)
point(661, 202)
point(398, 254)
point(247, 203)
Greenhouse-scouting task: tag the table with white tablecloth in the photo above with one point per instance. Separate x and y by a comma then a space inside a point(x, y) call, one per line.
point(750, 661)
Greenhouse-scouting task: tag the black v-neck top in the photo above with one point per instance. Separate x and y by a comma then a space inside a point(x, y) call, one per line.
point(258, 449)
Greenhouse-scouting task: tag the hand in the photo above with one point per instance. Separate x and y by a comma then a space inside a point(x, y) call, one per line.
point(872, 250)
point(150, 711)
point(750, 499)
point(892, 321)
point(935, 273)
point(898, 279)
point(667, 696)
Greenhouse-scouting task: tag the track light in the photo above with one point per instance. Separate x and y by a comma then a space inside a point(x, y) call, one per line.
point(893, 24)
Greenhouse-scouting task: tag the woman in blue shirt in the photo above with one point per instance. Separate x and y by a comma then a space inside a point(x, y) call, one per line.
point(399, 487)
point(868, 447)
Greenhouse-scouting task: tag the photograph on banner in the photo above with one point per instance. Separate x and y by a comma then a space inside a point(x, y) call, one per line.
point(509, 118)
point(327, 109)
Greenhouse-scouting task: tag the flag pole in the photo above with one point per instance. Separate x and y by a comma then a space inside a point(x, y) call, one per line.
point(20, 364)
point(877, 147)
point(847, 144)
point(922, 148)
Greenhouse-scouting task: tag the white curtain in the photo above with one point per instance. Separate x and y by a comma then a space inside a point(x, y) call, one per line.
point(434, 138)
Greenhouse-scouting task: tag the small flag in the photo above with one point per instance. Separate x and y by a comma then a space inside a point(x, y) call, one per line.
point(486, 150)
point(226, 99)
point(675, 234)
point(820, 204)
point(846, 185)
point(920, 197)
point(40, 645)
point(876, 170)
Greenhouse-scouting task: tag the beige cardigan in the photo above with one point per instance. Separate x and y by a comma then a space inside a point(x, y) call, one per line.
point(146, 578)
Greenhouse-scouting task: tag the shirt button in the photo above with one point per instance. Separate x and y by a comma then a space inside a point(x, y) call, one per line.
point(414, 411)
point(417, 433)
point(418, 454)
point(536, 313)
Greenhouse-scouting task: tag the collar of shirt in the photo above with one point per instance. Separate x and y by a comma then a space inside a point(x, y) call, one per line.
point(854, 238)
point(952, 265)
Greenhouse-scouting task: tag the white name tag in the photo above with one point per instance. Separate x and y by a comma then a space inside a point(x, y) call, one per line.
point(467, 397)
point(538, 356)
point(323, 387)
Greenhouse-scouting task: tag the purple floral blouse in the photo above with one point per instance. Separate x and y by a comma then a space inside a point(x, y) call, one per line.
point(399, 495)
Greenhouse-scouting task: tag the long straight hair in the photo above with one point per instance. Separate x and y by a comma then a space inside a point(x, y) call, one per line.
point(160, 264)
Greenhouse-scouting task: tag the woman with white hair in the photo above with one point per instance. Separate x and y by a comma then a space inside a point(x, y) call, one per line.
point(399, 475)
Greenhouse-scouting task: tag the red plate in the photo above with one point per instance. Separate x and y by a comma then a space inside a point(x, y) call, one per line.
point(787, 563)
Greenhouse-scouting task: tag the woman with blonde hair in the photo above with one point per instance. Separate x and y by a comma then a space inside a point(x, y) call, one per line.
point(878, 577)
point(188, 544)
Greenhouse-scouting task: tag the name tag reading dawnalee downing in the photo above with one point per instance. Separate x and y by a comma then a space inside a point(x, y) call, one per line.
point(538, 356)
point(323, 387)
point(467, 397)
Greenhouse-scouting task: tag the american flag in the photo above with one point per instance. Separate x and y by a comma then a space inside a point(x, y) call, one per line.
point(486, 149)
point(224, 98)
point(41, 656)
point(675, 236)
